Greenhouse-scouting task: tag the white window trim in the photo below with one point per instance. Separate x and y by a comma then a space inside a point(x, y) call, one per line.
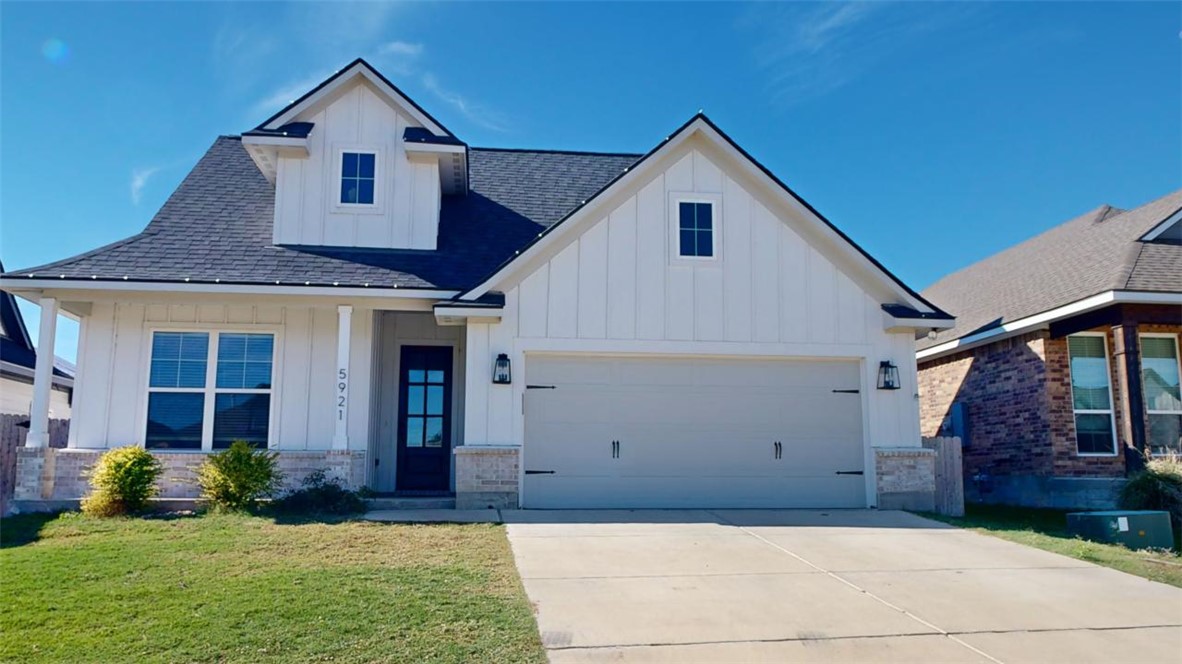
point(715, 201)
point(210, 390)
point(1111, 412)
point(1177, 358)
point(377, 207)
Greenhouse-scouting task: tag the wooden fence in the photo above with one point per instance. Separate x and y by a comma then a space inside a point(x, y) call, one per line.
point(13, 436)
point(949, 475)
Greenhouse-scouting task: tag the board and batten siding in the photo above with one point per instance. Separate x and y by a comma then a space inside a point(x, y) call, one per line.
point(114, 351)
point(307, 190)
point(616, 290)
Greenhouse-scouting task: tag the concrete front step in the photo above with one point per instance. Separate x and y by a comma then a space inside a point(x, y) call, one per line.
point(411, 503)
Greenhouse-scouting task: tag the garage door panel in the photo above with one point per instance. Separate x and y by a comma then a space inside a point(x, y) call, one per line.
point(692, 433)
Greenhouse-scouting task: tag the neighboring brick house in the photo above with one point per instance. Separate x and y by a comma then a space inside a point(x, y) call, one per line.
point(1063, 367)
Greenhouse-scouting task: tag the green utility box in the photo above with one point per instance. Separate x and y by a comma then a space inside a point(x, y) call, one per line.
point(1136, 529)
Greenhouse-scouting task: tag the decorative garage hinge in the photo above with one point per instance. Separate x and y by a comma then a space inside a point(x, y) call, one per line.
point(850, 472)
point(541, 387)
point(846, 391)
point(539, 472)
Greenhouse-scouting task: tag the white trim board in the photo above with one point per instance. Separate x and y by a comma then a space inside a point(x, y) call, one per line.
point(1157, 230)
point(1040, 320)
point(16, 285)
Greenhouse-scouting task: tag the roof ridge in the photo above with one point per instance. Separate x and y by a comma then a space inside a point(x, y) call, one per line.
point(596, 153)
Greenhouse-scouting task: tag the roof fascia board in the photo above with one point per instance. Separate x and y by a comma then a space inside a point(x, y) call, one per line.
point(1043, 319)
point(343, 78)
point(277, 141)
point(588, 209)
point(22, 284)
point(434, 148)
point(1157, 230)
point(893, 324)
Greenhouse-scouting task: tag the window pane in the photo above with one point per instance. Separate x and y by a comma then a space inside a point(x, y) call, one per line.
point(178, 359)
point(434, 432)
point(365, 164)
point(703, 216)
point(414, 400)
point(434, 376)
point(365, 192)
point(234, 370)
point(1093, 434)
point(1165, 434)
point(1089, 373)
point(414, 432)
point(348, 191)
point(241, 417)
point(349, 165)
point(685, 216)
point(1159, 373)
point(174, 421)
point(688, 243)
point(435, 400)
point(416, 376)
point(705, 243)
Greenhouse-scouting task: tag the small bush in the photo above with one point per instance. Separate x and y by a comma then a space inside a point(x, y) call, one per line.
point(321, 495)
point(236, 478)
point(1158, 487)
point(122, 482)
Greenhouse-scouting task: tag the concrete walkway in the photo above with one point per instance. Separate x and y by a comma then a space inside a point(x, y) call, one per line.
point(838, 586)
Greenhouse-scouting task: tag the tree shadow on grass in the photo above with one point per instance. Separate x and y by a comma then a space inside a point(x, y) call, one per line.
point(22, 529)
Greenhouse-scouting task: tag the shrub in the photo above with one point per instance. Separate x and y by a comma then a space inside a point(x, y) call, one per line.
point(237, 477)
point(122, 482)
point(1158, 487)
point(321, 495)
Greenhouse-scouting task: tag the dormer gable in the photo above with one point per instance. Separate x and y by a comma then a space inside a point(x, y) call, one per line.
point(357, 163)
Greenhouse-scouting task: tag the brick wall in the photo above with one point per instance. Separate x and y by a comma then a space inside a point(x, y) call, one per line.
point(906, 478)
point(1004, 388)
point(487, 477)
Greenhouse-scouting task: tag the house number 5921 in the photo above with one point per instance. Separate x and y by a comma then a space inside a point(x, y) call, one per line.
point(342, 392)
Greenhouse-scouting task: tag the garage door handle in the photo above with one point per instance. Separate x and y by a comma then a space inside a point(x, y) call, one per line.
point(615, 449)
point(850, 472)
point(777, 450)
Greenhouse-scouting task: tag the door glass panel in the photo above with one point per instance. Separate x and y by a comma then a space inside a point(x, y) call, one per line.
point(434, 432)
point(414, 398)
point(414, 432)
point(434, 400)
point(434, 376)
point(414, 376)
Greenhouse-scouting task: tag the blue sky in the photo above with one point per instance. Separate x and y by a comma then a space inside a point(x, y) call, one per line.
point(934, 134)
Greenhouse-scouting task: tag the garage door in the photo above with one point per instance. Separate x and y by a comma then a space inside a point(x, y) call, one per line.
point(644, 432)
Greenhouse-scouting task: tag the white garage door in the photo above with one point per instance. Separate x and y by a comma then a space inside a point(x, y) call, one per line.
point(644, 432)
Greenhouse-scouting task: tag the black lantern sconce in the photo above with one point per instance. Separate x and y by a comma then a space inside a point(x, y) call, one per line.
point(502, 375)
point(888, 376)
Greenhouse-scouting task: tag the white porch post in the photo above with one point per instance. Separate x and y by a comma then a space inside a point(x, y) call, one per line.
point(340, 438)
point(43, 375)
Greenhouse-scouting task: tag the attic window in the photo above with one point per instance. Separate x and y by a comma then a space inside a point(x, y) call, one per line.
point(357, 178)
point(695, 229)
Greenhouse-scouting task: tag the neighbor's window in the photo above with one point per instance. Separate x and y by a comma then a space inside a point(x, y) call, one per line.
point(357, 177)
point(180, 387)
point(1159, 381)
point(695, 229)
point(1091, 394)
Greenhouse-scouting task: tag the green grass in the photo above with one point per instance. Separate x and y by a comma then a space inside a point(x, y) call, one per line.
point(222, 588)
point(1047, 529)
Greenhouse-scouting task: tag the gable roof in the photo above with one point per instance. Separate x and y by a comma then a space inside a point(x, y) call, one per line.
point(1096, 252)
point(217, 227)
point(699, 123)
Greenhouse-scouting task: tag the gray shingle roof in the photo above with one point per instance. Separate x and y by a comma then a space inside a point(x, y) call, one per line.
point(1094, 253)
point(217, 226)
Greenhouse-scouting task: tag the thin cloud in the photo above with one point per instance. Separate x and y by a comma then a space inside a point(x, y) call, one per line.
point(401, 48)
point(139, 180)
point(284, 95)
point(475, 113)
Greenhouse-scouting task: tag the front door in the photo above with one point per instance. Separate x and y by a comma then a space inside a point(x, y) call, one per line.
point(424, 418)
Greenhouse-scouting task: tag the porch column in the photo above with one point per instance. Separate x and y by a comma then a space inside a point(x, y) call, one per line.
point(340, 437)
point(43, 375)
point(1127, 357)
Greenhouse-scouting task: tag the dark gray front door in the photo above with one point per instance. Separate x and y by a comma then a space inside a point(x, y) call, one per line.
point(424, 418)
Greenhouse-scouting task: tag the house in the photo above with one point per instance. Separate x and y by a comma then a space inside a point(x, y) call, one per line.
point(353, 286)
point(1061, 372)
point(18, 358)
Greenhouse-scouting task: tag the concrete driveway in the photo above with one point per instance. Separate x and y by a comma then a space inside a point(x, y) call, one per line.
point(836, 586)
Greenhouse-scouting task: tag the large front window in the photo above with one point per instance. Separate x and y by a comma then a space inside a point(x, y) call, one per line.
point(1159, 381)
point(209, 389)
point(1091, 394)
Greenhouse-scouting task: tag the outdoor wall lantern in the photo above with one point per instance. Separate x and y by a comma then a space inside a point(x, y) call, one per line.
point(501, 373)
point(888, 375)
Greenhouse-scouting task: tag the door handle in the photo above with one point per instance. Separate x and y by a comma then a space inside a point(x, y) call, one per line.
point(777, 450)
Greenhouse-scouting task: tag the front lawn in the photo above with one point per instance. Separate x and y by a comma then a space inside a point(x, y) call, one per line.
point(1047, 529)
point(248, 589)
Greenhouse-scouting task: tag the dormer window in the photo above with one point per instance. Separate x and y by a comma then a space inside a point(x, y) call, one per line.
point(358, 173)
point(695, 229)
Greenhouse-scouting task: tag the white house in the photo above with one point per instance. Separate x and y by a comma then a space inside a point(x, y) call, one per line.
point(351, 285)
